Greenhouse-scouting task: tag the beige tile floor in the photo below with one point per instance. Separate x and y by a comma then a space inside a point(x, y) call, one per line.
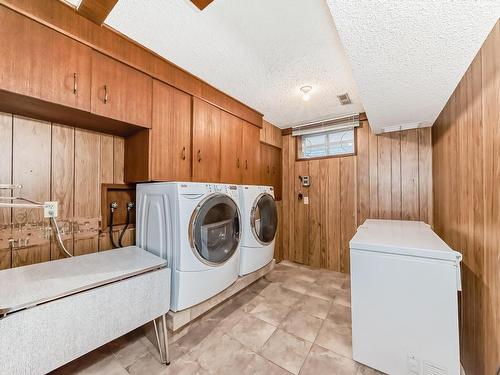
point(296, 320)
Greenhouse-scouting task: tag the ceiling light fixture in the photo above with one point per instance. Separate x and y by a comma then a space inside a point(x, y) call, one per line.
point(306, 92)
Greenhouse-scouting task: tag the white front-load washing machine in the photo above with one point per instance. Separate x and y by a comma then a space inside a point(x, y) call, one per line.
point(260, 222)
point(196, 227)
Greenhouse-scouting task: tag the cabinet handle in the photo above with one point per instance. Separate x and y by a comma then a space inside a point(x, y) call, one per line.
point(237, 162)
point(246, 164)
point(268, 169)
point(183, 153)
point(199, 155)
point(75, 87)
point(105, 94)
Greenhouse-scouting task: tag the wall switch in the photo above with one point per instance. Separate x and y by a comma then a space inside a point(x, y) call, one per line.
point(50, 209)
point(306, 200)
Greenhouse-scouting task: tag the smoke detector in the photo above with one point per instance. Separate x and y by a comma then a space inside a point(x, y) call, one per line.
point(344, 99)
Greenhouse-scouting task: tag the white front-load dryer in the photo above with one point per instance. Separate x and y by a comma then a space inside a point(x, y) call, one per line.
point(260, 222)
point(196, 227)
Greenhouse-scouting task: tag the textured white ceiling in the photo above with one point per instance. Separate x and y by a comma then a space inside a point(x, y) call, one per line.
point(408, 56)
point(260, 51)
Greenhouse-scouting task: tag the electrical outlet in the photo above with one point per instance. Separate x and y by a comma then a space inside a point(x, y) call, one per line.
point(50, 209)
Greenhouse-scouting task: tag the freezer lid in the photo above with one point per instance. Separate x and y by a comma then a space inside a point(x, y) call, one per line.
point(412, 238)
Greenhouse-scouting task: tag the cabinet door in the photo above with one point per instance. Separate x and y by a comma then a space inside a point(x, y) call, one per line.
point(251, 153)
point(39, 62)
point(120, 92)
point(170, 134)
point(265, 162)
point(230, 154)
point(206, 141)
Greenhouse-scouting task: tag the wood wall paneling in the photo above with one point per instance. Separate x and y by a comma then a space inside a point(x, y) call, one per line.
point(347, 208)
point(363, 171)
point(5, 178)
point(87, 187)
point(384, 176)
point(345, 191)
point(31, 168)
point(301, 215)
point(466, 165)
point(396, 208)
point(313, 249)
point(62, 184)
point(106, 159)
point(56, 162)
point(288, 161)
point(118, 160)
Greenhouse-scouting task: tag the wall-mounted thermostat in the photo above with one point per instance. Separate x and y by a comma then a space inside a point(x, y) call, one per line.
point(306, 181)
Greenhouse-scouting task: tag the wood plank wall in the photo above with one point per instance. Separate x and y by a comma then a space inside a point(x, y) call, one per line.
point(390, 177)
point(56, 162)
point(466, 159)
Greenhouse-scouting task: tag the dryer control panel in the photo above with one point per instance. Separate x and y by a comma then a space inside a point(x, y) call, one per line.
point(231, 190)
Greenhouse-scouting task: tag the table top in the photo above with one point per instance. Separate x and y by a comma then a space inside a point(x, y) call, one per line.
point(31, 285)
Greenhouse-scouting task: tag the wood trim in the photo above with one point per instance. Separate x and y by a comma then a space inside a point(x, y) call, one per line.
point(96, 10)
point(201, 4)
point(63, 18)
point(42, 110)
point(288, 131)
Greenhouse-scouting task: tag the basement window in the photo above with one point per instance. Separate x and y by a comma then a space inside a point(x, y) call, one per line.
point(326, 144)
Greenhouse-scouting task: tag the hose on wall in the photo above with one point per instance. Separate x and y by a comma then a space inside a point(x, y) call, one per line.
point(130, 207)
point(112, 207)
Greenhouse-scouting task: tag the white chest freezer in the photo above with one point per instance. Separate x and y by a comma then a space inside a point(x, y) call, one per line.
point(404, 284)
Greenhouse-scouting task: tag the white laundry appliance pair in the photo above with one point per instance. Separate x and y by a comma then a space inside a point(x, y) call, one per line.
point(260, 222)
point(201, 228)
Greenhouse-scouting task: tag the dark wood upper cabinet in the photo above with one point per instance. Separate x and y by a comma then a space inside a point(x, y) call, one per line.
point(162, 153)
point(170, 134)
point(41, 63)
point(250, 154)
point(271, 169)
point(206, 141)
point(120, 92)
point(231, 152)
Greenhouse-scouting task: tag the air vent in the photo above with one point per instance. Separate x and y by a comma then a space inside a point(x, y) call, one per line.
point(344, 99)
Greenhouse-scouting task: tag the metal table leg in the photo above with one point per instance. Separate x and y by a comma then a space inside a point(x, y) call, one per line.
point(162, 344)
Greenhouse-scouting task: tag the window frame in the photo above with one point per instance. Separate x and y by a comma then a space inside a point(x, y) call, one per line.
point(298, 141)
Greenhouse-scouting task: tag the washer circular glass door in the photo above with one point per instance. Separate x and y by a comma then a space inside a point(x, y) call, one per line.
point(214, 229)
point(264, 219)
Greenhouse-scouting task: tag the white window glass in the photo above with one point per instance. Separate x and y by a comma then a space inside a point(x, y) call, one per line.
point(331, 143)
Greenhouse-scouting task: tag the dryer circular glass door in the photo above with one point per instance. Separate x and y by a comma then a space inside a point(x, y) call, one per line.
point(264, 219)
point(215, 229)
